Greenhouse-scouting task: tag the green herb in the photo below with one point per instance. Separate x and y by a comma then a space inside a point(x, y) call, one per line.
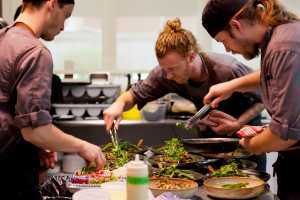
point(235, 185)
point(174, 149)
point(182, 125)
point(173, 172)
point(228, 170)
point(120, 155)
point(88, 169)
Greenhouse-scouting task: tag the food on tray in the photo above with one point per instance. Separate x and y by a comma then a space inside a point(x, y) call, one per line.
point(235, 185)
point(228, 170)
point(118, 156)
point(173, 152)
point(172, 172)
point(89, 175)
point(172, 184)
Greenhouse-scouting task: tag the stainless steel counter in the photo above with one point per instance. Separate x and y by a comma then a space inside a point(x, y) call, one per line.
point(153, 133)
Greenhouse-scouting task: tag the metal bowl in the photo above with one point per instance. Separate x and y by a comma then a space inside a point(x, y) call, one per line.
point(211, 144)
point(215, 187)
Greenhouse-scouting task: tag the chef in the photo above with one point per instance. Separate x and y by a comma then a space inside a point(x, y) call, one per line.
point(26, 129)
point(251, 27)
point(189, 72)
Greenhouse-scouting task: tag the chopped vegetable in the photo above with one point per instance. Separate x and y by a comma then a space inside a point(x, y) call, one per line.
point(173, 172)
point(228, 170)
point(235, 185)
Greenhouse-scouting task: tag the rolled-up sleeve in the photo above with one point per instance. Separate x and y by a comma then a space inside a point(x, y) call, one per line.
point(153, 87)
point(33, 88)
point(284, 101)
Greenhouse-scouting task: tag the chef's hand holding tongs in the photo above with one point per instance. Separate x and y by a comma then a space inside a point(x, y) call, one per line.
point(114, 135)
point(203, 112)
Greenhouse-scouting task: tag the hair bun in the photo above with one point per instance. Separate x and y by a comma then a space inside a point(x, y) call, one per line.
point(173, 25)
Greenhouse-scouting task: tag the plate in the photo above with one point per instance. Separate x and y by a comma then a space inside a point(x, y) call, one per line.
point(216, 187)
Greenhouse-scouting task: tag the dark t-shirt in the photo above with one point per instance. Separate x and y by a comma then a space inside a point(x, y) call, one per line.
point(221, 68)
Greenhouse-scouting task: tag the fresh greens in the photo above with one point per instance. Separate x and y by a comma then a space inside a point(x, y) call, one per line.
point(120, 155)
point(235, 185)
point(173, 172)
point(228, 170)
point(174, 149)
point(191, 129)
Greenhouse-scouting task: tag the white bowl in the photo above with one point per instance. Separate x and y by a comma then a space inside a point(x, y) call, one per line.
point(78, 111)
point(61, 111)
point(65, 90)
point(110, 91)
point(93, 91)
point(93, 111)
point(78, 91)
point(91, 194)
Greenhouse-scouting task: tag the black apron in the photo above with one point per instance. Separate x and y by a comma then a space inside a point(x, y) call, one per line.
point(287, 169)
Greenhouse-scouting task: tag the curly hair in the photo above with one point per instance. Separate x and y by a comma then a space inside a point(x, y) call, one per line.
point(175, 38)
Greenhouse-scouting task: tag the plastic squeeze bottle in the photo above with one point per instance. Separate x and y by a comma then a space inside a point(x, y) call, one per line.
point(137, 180)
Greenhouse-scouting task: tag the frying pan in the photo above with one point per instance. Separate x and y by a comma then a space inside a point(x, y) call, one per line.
point(211, 144)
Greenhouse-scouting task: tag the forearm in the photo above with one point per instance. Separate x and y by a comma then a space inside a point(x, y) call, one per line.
point(266, 141)
point(127, 100)
point(51, 138)
point(250, 114)
point(247, 83)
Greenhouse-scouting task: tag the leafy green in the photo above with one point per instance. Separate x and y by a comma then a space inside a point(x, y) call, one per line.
point(173, 172)
point(191, 129)
point(88, 169)
point(120, 155)
point(228, 170)
point(174, 149)
point(235, 185)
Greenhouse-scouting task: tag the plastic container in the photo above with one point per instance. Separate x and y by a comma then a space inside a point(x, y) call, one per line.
point(137, 180)
point(154, 111)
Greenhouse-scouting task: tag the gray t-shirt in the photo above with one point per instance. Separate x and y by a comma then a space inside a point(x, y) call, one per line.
point(25, 84)
point(221, 68)
point(280, 79)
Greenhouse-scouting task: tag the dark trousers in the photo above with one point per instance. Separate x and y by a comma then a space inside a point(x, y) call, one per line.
point(287, 169)
point(19, 174)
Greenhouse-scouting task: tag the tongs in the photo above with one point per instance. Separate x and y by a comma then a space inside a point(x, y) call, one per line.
point(114, 135)
point(199, 115)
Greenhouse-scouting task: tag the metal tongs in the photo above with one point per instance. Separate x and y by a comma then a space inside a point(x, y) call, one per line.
point(114, 135)
point(199, 115)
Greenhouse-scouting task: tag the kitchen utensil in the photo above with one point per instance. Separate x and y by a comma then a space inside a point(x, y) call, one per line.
point(114, 135)
point(199, 115)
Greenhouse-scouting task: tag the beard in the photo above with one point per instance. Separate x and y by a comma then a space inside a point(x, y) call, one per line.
point(250, 51)
point(47, 37)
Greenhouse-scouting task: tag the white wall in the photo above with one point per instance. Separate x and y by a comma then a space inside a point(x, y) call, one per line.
point(119, 35)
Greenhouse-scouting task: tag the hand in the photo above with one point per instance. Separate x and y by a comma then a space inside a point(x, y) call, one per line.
point(218, 93)
point(114, 112)
point(92, 154)
point(47, 159)
point(221, 123)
